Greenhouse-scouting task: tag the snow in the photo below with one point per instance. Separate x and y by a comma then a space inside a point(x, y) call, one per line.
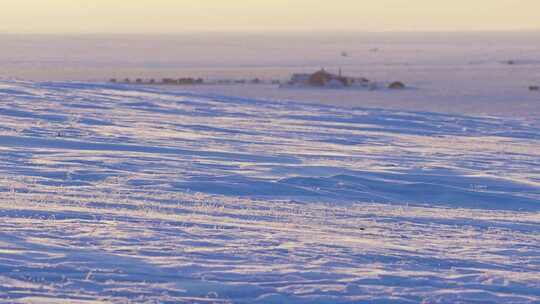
point(112, 193)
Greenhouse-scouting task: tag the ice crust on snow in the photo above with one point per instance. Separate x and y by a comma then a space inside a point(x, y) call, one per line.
point(112, 193)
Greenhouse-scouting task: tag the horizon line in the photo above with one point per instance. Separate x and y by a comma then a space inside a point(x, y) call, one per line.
point(279, 32)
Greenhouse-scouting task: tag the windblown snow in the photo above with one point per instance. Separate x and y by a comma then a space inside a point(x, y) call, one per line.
point(111, 193)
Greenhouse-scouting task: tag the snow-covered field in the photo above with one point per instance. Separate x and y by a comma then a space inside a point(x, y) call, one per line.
point(132, 194)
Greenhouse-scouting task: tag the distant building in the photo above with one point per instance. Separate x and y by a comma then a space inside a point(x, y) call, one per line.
point(323, 78)
point(534, 88)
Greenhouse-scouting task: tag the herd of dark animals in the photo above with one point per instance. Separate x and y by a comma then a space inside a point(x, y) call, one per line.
point(318, 79)
point(168, 81)
point(187, 81)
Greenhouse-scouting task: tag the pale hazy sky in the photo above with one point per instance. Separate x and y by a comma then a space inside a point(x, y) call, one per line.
point(136, 16)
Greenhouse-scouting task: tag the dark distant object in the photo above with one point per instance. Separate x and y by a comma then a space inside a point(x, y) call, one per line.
point(276, 81)
point(152, 81)
point(127, 80)
point(534, 88)
point(256, 81)
point(139, 80)
point(344, 54)
point(397, 85)
point(510, 62)
point(186, 81)
point(320, 78)
point(113, 80)
point(169, 81)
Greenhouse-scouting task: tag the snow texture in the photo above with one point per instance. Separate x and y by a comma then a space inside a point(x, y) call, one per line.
point(110, 193)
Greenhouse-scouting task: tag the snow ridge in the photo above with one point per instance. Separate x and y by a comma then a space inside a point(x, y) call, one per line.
point(112, 193)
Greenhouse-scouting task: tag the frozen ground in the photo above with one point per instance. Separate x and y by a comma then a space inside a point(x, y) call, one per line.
point(115, 194)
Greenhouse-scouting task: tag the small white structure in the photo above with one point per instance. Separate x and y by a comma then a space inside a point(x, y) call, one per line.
point(334, 84)
point(300, 78)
